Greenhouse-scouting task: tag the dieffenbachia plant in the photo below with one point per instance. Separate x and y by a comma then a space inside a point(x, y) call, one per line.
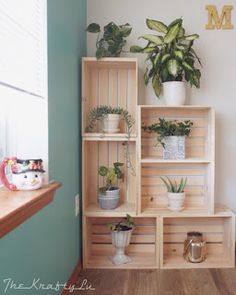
point(170, 55)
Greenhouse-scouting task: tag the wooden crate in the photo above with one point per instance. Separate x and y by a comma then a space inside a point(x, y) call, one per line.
point(200, 145)
point(218, 231)
point(95, 154)
point(97, 247)
point(109, 81)
point(199, 189)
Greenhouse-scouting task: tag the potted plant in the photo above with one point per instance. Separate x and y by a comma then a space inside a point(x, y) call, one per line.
point(113, 39)
point(121, 235)
point(170, 61)
point(109, 194)
point(175, 193)
point(110, 118)
point(171, 135)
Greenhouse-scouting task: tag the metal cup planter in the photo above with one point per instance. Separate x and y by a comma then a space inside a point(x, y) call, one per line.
point(174, 148)
point(109, 199)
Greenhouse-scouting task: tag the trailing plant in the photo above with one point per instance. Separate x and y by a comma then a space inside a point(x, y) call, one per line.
point(109, 175)
point(170, 55)
point(113, 39)
point(173, 186)
point(166, 128)
point(101, 112)
point(125, 224)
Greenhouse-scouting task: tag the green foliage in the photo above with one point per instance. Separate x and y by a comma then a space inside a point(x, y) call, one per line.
point(170, 55)
point(109, 174)
point(113, 39)
point(125, 224)
point(169, 128)
point(173, 186)
point(100, 113)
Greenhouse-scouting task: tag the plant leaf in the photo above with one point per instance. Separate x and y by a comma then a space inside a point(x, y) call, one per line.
point(179, 54)
point(153, 38)
point(191, 37)
point(172, 33)
point(187, 66)
point(136, 49)
point(156, 26)
point(165, 57)
point(156, 84)
point(157, 58)
point(173, 67)
point(125, 30)
point(93, 28)
point(166, 184)
point(171, 184)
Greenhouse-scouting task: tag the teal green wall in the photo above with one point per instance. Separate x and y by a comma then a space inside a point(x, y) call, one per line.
point(48, 245)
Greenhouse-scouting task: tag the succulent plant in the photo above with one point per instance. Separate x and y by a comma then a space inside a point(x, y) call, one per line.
point(173, 186)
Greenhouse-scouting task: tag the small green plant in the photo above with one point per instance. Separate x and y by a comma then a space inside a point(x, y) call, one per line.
point(173, 186)
point(113, 39)
point(125, 224)
point(170, 56)
point(166, 128)
point(109, 175)
point(101, 112)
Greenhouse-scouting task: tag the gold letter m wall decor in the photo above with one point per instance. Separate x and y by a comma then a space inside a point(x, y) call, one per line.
point(219, 22)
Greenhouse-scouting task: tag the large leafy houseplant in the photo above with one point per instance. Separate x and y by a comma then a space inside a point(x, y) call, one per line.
point(113, 40)
point(171, 56)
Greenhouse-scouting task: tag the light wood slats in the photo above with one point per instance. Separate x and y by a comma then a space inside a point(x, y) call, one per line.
point(217, 232)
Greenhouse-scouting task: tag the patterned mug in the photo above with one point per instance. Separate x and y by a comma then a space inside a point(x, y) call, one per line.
point(26, 174)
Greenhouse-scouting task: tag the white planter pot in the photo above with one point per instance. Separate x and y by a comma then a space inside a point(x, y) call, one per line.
point(111, 123)
point(109, 200)
point(174, 93)
point(121, 239)
point(174, 148)
point(176, 201)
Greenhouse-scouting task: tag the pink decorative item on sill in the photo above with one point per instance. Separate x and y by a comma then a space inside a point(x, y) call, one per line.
point(26, 174)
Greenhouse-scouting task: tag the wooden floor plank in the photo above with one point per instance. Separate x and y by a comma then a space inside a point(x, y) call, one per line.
point(198, 281)
point(159, 282)
point(142, 282)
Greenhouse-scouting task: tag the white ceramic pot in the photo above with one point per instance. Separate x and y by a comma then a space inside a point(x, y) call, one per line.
point(176, 201)
point(111, 123)
point(174, 93)
point(121, 239)
point(174, 148)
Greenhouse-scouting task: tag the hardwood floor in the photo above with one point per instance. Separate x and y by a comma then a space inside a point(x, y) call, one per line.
point(158, 282)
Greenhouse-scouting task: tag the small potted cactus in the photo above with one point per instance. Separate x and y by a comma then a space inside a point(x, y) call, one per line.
point(175, 193)
point(109, 194)
point(121, 235)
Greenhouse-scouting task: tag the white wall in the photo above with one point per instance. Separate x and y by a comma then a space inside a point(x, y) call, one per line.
point(217, 50)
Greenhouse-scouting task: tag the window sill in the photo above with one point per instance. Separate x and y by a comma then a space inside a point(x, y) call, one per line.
point(18, 206)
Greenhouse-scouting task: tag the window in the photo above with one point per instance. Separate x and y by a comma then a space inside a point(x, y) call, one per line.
point(23, 79)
